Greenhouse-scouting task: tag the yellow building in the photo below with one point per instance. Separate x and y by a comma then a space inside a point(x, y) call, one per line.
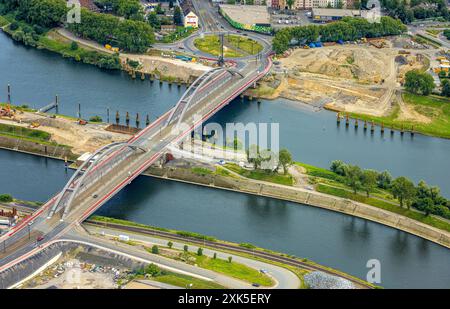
point(191, 20)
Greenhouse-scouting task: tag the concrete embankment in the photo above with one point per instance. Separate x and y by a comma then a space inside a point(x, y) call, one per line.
point(52, 151)
point(305, 197)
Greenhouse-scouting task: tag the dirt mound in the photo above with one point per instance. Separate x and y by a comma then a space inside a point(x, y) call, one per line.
point(361, 64)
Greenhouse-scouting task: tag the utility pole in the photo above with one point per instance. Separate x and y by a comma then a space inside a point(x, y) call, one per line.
point(221, 60)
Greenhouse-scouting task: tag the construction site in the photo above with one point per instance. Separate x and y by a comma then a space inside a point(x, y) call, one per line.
point(360, 77)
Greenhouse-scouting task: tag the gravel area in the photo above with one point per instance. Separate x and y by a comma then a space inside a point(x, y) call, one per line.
point(321, 280)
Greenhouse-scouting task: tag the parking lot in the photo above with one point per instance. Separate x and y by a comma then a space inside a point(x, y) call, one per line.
point(280, 19)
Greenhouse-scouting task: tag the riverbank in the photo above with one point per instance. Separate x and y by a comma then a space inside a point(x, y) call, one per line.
point(153, 65)
point(363, 82)
point(306, 197)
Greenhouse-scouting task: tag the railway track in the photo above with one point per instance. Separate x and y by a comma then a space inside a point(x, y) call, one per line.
point(217, 245)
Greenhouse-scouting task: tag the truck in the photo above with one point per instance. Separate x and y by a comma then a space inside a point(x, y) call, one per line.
point(124, 238)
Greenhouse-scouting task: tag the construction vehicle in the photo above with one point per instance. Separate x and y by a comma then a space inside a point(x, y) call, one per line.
point(35, 125)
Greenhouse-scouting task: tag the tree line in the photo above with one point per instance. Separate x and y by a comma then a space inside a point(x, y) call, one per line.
point(422, 197)
point(130, 9)
point(408, 11)
point(127, 34)
point(347, 29)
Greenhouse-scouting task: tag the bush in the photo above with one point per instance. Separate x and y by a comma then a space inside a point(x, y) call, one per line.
point(200, 252)
point(14, 26)
point(6, 198)
point(170, 244)
point(95, 119)
point(155, 249)
point(74, 46)
point(152, 270)
point(185, 248)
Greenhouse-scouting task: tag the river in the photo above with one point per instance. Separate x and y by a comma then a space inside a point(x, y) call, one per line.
point(326, 237)
point(323, 236)
point(312, 137)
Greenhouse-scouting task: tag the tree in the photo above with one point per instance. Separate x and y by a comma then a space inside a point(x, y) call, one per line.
point(419, 82)
point(215, 256)
point(177, 16)
point(199, 251)
point(6, 198)
point(170, 244)
point(230, 258)
point(152, 270)
point(338, 167)
point(74, 45)
point(445, 88)
point(384, 180)
point(369, 180)
point(290, 3)
point(185, 248)
point(425, 204)
point(403, 189)
point(154, 21)
point(353, 176)
point(155, 249)
point(285, 159)
point(171, 4)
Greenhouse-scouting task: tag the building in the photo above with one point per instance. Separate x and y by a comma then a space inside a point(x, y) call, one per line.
point(247, 17)
point(309, 4)
point(191, 20)
point(326, 15)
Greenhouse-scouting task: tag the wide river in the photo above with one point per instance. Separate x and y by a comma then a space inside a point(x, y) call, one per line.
point(329, 238)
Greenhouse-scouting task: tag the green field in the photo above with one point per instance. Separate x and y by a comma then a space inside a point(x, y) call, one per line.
point(435, 108)
point(262, 175)
point(235, 46)
point(25, 133)
point(233, 269)
point(430, 220)
point(184, 281)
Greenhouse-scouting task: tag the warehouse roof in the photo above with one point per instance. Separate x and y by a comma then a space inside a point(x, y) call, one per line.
point(335, 12)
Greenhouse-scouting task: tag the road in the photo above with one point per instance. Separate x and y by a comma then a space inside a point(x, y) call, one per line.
point(284, 278)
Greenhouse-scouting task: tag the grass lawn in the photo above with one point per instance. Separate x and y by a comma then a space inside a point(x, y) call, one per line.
point(440, 224)
point(3, 21)
point(261, 175)
point(243, 43)
point(184, 281)
point(436, 108)
point(21, 132)
point(233, 269)
point(201, 171)
point(211, 44)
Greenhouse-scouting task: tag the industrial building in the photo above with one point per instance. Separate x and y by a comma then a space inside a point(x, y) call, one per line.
point(327, 15)
point(247, 17)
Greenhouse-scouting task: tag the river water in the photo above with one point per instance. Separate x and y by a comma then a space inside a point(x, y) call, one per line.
point(323, 236)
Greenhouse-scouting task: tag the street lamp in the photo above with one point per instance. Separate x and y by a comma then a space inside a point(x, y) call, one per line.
point(29, 229)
